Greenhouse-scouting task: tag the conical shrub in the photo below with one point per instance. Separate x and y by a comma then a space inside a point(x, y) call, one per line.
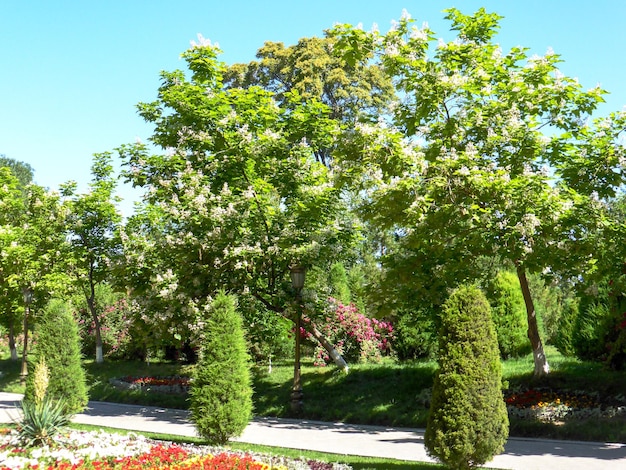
point(221, 390)
point(468, 421)
point(57, 344)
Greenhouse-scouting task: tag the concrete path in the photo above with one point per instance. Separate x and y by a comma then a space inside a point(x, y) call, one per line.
point(373, 441)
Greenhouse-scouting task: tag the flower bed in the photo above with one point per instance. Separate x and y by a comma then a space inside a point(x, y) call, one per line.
point(173, 384)
point(553, 406)
point(79, 450)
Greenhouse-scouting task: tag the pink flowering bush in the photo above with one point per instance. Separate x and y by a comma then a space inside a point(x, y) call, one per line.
point(115, 327)
point(357, 338)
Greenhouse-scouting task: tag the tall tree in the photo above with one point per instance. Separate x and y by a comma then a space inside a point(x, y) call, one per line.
point(476, 163)
point(11, 211)
point(36, 252)
point(22, 171)
point(92, 223)
point(352, 92)
point(12, 205)
point(237, 199)
point(358, 92)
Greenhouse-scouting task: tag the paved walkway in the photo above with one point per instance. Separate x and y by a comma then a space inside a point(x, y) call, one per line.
point(373, 441)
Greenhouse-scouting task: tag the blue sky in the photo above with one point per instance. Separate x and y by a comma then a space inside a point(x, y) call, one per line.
point(71, 72)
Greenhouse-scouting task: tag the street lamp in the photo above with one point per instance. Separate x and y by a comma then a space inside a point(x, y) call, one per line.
point(297, 274)
point(27, 292)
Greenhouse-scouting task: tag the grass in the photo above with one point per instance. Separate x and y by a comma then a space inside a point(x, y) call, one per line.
point(390, 394)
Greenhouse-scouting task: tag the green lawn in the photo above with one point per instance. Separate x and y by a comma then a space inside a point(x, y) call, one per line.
point(392, 394)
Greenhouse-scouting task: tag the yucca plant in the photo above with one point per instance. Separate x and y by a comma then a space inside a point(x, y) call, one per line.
point(42, 417)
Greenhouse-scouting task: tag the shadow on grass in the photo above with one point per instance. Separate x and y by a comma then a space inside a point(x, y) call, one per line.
point(387, 395)
point(10, 376)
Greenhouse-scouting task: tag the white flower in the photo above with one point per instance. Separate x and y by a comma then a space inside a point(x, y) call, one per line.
point(464, 171)
point(202, 42)
point(392, 50)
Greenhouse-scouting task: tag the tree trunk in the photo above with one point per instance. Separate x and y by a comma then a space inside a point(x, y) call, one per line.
point(96, 321)
point(330, 349)
point(541, 362)
point(310, 327)
point(24, 367)
point(12, 346)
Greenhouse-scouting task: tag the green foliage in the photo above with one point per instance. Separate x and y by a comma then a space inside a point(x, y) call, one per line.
point(58, 343)
point(593, 323)
point(464, 168)
point(42, 421)
point(221, 392)
point(22, 171)
point(509, 315)
point(468, 421)
point(42, 417)
point(416, 335)
point(563, 339)
point(353, 92)
point(340, 289)
point(267, 333)
point(92, 225)
point(119, 331)
point(236, 198)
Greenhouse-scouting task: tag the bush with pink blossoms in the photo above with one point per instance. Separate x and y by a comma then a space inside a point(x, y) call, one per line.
point(357, 337)
point(116, 328)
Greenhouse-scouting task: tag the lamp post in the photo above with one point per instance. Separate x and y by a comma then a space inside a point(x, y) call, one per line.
point(297, 274)
point(27, 292)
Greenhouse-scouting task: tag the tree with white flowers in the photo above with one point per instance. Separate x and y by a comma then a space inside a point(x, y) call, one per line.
point(234, 200)
point(482, 156)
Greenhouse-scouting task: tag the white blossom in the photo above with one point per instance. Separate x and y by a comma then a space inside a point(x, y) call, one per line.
point(202, 42)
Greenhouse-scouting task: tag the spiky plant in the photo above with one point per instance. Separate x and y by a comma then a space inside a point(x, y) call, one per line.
point(43, 417)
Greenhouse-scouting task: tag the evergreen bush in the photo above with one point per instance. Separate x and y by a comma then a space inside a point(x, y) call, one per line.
point(221, 390)
point(563, 339)
point(509, 315)
point(416, 335)
point(468, 421)
point(57, 343)
point(591, 329)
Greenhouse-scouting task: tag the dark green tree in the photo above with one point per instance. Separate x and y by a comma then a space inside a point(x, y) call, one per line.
point(58, 344)
point(221, 391)
point(22, 171)
point(509, 315)
point(468, 421)
point(353, 93)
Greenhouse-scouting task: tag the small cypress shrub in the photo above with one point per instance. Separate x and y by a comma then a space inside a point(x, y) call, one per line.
point(221, 390)
point(57, 342)
point(468, 421)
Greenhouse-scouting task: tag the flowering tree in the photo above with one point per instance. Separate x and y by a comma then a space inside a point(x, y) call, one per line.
point(236, 199)
point(357, 337)
point(480, 159)
point(33, 246)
